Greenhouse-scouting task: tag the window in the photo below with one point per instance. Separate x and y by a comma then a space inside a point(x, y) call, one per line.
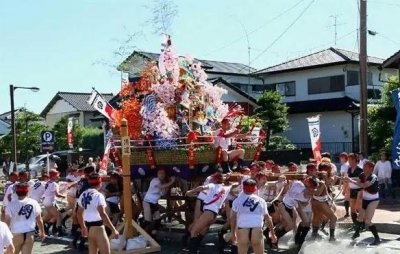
point(257, 88)
point(374, 94)
point(286, 88)
point(353, 78)
point(326, 84)
point(262, 88)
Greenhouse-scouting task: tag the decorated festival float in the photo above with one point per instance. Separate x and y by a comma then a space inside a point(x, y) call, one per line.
point(173, 113)
point(168, 118)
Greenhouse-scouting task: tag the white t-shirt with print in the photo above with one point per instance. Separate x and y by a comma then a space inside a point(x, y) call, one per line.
point(37, 190)
point(203, 194)
point(90, 200)
point(154, 192)
point(216, 196)
point(5, 237)
point(10, 190)
point(250, 211)
point(294, 194)
point(51, 188)
point(23, 214)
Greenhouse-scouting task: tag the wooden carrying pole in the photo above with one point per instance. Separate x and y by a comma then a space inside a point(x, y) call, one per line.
point(126, 172)
point(131, 228)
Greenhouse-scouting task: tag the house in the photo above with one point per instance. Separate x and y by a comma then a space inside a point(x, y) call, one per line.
point(74, 105)
point(232, 76)
point(4, 128)
point(325, 83)
point(393, 62)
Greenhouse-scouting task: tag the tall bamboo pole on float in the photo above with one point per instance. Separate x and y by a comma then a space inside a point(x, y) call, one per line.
point(126, 173)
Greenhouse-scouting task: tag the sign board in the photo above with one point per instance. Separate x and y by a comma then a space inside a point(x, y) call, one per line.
point(126, 146)
point(47, 141)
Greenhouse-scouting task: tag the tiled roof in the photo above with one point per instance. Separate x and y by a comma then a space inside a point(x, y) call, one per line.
point(335, 104)
point(6, 116)
point(392, 61)
point(208, 65)
point(215, 81)
point(76, 100)
point(330, 56)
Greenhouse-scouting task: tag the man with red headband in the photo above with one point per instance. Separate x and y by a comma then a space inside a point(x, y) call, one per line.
point(9, 191)
point(223, 139)
point(249, 214)
point(37, 189)
point(53, 216)
point(216, 195)
point(92, 217)
point(22, 215)
point(81, 185)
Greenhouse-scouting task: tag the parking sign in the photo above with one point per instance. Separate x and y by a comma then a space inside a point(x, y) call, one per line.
point(47, 141)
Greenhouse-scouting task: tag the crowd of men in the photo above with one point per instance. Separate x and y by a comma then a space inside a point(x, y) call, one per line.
point(257, 211)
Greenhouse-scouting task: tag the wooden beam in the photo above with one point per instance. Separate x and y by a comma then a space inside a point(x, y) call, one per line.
point(126, 173)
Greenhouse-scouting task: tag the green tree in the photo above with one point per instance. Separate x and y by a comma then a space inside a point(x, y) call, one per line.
point(273, 113)
point(84, 137)
point(381, 119)
point(60, 132)
point(28, 128)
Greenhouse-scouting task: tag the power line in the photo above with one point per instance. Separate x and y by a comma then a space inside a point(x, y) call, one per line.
point(255, 29)
point(284, 31)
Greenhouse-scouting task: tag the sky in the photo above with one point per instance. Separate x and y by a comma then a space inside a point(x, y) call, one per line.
point(69, 45)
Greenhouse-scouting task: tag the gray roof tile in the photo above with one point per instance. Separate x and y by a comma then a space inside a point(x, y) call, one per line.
point(77, 100)
point(208, 65)
point(328, 56)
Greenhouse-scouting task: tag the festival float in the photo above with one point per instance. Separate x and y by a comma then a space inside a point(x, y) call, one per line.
point(172, 113)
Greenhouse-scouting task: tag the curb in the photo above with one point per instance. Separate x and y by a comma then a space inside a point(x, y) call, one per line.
point(388, 228)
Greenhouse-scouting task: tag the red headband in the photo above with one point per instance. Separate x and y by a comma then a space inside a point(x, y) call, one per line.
point(22, 188)
point(54, 173)
point(95, 181)
point(218, 178)
point(250, 188)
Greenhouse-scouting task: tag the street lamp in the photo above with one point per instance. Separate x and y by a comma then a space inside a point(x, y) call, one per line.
point(13, 129)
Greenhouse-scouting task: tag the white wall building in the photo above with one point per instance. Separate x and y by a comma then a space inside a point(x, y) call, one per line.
point(72, 105)
point(325, 83)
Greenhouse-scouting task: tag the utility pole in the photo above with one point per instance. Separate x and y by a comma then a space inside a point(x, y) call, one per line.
point(13, 130)
point(363, 77)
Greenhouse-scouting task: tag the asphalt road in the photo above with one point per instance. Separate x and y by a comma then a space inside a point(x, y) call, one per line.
point(170, 243)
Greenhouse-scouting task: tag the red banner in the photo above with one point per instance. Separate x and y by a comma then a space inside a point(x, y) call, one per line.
point(150, 157)
point(70, 134)
point(219, 155)
point(258, 152)
point(115, 154)
point(106, 157)
point(191, 157)
point(150, 154)
point(315, 136)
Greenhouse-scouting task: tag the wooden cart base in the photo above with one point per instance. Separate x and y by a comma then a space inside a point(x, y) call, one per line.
point(153, 246)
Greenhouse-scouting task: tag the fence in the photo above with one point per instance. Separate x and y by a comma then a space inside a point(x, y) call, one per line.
point(334, 148)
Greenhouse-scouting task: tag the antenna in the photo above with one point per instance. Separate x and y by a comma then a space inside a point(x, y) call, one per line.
point(335, 25)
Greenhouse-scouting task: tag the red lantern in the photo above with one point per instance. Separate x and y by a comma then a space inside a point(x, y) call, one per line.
point(192, 136)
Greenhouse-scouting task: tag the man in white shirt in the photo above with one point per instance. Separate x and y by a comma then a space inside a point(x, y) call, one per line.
point(383, 169)
point(6, 244)
point(9, 192)
point(92, 217)
point(249, 213)
point(22, 216)
point(223, 139)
